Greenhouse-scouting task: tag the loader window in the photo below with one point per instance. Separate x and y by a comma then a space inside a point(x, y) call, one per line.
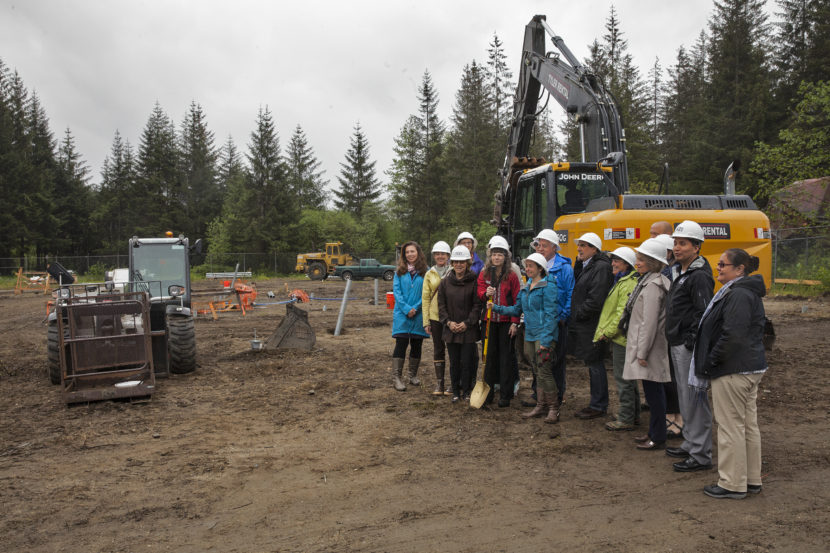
point(164, 263)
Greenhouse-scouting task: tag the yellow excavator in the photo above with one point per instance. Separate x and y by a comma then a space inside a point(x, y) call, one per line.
point(592, 195)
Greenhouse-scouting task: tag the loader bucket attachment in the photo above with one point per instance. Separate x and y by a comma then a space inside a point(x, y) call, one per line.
point(294, 331)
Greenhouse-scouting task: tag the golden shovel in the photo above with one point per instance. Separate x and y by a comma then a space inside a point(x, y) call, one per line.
point(482, 390)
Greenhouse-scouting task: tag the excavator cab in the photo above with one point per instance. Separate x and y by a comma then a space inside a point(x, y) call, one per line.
point(545, 193)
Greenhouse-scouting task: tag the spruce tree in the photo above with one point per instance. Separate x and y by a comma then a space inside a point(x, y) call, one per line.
point(116, 210)
point(201, 201)
point(159, 197)
point(268, 202)
point(740, 87)
point(305, 178)
point(474, 151)
point(359, 186)
point(72, 201)
point(500, 82)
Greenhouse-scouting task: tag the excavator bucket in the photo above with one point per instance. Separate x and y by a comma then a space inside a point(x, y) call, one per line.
point(294, 331)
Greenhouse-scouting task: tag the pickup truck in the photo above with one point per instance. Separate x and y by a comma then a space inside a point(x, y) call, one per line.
point(366, 268)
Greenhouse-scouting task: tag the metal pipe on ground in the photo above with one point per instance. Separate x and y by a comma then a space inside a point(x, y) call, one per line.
point(343, 304)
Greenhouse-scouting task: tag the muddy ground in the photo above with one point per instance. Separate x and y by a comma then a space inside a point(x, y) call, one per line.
point(296, 451)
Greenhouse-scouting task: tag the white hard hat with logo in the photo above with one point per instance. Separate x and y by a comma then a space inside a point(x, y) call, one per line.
point(654, 249)
point(441, 247)
point(499, 242)
point(549, 235)
point(688, 229)
point(464, 235)
point(592, 239)
point(626, 254)
point(460, 253)
point(540, 260)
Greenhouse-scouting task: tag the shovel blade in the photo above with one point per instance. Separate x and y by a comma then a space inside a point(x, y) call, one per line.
point(479, 394)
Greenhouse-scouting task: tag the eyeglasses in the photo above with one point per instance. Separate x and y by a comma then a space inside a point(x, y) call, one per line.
point(721, 264)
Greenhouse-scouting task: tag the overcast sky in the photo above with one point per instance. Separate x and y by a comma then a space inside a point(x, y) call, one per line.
point(98, 66)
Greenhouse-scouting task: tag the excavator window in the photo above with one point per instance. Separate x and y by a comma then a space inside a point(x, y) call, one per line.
point(579, 192)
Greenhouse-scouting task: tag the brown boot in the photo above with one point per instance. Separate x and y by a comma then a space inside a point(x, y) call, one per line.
point(440, 367)
point(413, 371)
point(397, 373)
point(541, 405)
point(553, 410)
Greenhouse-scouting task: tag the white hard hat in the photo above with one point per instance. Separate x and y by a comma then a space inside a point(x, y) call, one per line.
point(540, 260)
point(591, 238)
point(626, 254)
point(688, 229)
point(549, 235)
point(499, 242)
point(441, 247)
point(654, 249)
point(460, 253)
point(666, 240)
point(464, 235)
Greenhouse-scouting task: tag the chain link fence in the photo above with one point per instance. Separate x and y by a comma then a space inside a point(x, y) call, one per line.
point(801, 254)
point(260, 263)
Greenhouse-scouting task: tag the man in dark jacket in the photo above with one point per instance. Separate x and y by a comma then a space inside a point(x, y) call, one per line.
point(691, 290)
point(593, 278)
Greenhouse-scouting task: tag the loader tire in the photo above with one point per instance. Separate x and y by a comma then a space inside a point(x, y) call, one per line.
point(181, 343)
point(317, 271)
point(53, 355)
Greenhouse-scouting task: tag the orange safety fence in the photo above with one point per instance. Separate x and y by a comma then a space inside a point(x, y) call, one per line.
point(30, 280)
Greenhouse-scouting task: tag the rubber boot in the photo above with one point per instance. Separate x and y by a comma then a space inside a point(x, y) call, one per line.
point(440, 367)
point(397, 373)
point(553, 410)
point(541, 405)
point(413, 371)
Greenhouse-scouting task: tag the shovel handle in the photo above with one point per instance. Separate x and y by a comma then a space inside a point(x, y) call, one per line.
point(487, 335)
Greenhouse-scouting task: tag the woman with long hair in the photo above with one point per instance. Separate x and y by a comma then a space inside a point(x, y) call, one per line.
point(407, 329)
point(498, 282)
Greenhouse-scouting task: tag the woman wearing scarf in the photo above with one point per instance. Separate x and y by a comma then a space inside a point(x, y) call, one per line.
point(432, 320)
point(646, 349)
point(608, 329)
point(729, 353)
point(459, 309)
point(407, 329)
point(498, 282)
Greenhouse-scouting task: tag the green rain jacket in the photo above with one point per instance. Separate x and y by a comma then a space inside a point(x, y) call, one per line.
point(613, 308)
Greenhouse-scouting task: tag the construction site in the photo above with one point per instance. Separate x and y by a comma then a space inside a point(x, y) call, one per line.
point(313, 450)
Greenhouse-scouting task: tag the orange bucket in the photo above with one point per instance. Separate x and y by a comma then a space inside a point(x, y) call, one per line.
point(390, 300)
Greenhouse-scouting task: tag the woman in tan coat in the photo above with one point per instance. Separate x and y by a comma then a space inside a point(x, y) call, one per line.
point(646, 350)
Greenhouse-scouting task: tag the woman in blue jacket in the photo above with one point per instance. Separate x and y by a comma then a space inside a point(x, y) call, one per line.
point(538, 301)
point(406, 319)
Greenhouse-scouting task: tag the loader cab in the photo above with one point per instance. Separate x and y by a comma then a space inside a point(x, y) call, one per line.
point(545, 193)
point(161, 266)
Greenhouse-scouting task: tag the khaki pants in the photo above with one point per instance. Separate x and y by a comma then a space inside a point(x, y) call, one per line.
point(739, 440)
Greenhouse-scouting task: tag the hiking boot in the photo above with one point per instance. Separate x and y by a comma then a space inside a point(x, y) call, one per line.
point(413, 371)
point(618, 425)
point(553, 411)
point(541, 406)
point(397, 373)
point(440, 367)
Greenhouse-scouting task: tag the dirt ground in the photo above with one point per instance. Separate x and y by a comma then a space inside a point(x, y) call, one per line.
point(297, 451)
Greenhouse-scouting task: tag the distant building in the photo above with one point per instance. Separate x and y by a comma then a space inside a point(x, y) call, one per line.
point(804, 203)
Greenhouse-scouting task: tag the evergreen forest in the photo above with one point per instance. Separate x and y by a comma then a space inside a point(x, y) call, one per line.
point(753, 87)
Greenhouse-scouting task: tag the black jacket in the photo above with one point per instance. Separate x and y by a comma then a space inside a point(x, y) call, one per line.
point(591, 286)
point(730, 337)
point(686, 301)
point(458, 302)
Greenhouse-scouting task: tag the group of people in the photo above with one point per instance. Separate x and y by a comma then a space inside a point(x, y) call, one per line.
point(653, 306)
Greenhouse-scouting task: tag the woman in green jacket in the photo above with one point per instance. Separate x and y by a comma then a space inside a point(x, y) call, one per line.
point(608, 329)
